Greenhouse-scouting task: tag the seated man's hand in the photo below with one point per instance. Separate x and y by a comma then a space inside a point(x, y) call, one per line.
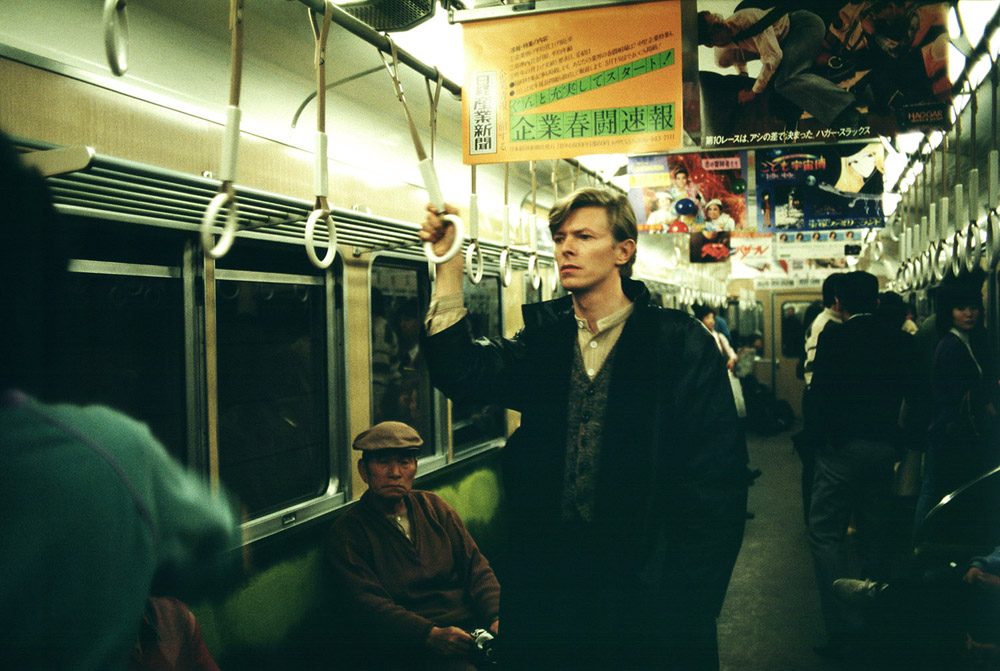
point(449, 641)
point(977, 576)
point(495, 628)
point(745, 97)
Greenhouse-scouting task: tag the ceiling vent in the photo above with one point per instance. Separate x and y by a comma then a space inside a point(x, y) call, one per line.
point(391, 15)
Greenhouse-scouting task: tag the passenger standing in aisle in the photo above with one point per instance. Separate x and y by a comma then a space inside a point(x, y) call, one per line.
point(861, 372)
point(963, 387)
point(807, 443)
point(93, 506)
point(625, 483)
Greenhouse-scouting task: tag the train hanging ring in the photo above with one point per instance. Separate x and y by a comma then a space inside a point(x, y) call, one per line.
point(474, 263)
point(957, 253)
point(116, 36)
point(455, 221)
point(315, 217)
point(506, 269)
point(533, 273)
point(973, 247)
point(219, 249)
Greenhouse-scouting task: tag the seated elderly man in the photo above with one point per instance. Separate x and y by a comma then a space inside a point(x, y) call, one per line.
point(414, 581)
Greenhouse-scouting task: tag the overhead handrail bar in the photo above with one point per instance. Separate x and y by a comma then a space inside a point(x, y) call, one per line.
point(506, 271)
point(115, 20)
point(382, 42)
point(424, 162)
point(533, 274)
point(226, 197)
point(321, 210)
point(474, 263)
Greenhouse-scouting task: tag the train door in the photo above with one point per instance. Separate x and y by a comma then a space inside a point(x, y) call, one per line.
point(788, 312)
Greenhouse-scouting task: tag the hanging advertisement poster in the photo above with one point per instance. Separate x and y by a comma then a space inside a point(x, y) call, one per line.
point(703, 195)
point(561, 84)
point(754, 250)
point(819, 244)
point(819, 72)
point(817, 188)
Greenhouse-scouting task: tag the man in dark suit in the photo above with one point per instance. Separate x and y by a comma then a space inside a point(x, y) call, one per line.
point(861, 372)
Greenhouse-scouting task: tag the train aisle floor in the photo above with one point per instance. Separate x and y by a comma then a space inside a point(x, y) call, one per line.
point(771, 618)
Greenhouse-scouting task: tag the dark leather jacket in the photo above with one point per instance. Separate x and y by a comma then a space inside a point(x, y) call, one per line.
point(671, 495)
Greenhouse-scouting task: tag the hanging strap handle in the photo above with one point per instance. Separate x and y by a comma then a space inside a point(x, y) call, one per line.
point(425, 162)
point(230, 145)
point(321, 211)
point(434, 99)
point(115, 21)
point(533, 273)
point(474, 262)
point(506, 268)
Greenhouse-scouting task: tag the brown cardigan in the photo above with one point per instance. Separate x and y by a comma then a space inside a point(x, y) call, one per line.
point(398, 590)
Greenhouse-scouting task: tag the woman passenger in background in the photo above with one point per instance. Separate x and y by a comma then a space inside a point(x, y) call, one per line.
point(963, 384)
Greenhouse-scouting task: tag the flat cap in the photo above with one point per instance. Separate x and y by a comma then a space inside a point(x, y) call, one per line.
point(388, 436)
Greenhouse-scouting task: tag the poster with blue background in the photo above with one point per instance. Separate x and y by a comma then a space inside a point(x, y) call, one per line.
point(818, 188)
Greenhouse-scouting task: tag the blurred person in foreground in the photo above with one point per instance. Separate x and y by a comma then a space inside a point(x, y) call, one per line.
point(93, 505)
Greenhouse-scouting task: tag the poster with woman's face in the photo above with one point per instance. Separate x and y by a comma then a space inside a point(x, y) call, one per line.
point(818, 188)
point(690, 193)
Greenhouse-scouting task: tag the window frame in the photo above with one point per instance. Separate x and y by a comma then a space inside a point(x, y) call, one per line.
point(337, 490)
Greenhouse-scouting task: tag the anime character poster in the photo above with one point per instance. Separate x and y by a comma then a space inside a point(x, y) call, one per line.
point(810, 189)
point(701, 195)
point(819, 71)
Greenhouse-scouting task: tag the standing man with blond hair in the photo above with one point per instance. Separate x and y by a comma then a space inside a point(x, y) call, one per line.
point(625, 483)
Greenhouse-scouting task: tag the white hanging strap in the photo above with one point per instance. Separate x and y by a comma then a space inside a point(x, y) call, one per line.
point(533, 271)
point(474, 262)
point(321, 210)
point(230, 145)
point(115, 21)
point(425, 162)
point(506, 269)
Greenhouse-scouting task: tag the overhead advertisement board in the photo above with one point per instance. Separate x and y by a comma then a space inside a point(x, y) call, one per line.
point(588, 81)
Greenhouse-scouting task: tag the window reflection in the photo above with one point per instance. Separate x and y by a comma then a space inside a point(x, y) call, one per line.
point(401, 388)
point(123, 346)
point(793, 329)
point(474, 424)
point(273, 401)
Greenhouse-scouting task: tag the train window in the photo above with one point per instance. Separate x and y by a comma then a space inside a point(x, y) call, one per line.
point(531, 294)
point(746, 323)
point(401, 385)
point(123, 344)
point(474, 425)
point(793, 330)
point(274, 403)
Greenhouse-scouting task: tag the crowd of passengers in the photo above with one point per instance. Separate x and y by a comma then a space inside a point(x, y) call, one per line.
point(883, 394)
point(625, 516)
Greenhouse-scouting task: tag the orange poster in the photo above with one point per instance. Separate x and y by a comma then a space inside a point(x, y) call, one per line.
point(563, 84)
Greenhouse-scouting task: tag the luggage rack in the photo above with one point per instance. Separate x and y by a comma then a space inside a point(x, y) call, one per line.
point(115, 189)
